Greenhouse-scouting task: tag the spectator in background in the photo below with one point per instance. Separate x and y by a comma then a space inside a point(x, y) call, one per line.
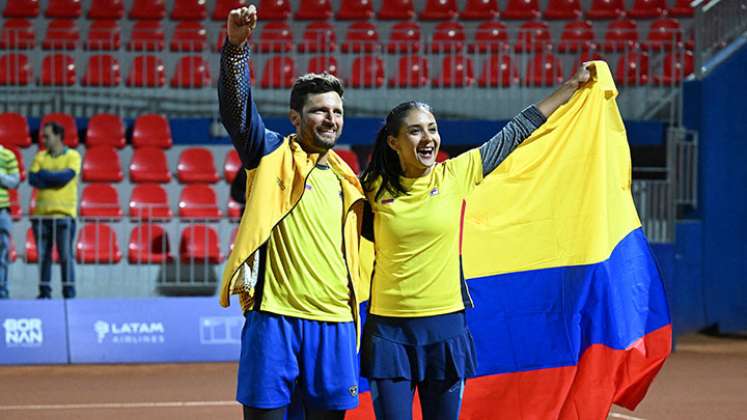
point(9, 179)
point(54, 173)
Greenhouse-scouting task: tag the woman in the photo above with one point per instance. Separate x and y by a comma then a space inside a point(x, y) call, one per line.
point(416, 334)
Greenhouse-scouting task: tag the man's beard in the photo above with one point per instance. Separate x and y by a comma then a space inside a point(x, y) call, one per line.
point(317, 142)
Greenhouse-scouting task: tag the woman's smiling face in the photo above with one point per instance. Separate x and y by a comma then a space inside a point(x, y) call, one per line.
point(416, 143)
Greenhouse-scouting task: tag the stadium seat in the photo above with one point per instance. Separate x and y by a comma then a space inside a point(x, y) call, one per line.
point(632, 69)
point(12, 254)
point(361, 37)
point(101, 164)
point(681, 9)
point(32, 202)
point(97, 244)
point(191, 72)
point(147, 10)
point(621, 35)
point(149, 244)
point(279, 73)
point(412, 72)
point(188, 10)
point(220, 40)
point(663, 34)
point(438, 10)
point(275, 37)
point(562, 10)
point(15, 205)
point(313, 10)
point(17, 34)
point(146, 35)
point(490, 36)
point(15, 70)
point(151, 130)
point(396, 10)
point(498, 71)
point(14, 130)
point(480, 10)
point(350, 158)
point(105, 130)
point(149, 202)
point(57, 70)
point(21, 9)
point(67, 122)
point(103, 35)
point(521, 10)
point(441, 156)
point(544, 69)
point(146, 71)
point(577, 36)
point(32, 254)
point(67, 9)
point(189, 36)
point(199, 243)
point(223, 8)
point(106, 9)
point(367, 72)
point(404, 37)
point(275, 9)
point(645, 9)
point(606, 9)
point(355, 10)
point(676, 67)
point(196, 165)
point(231, 165)
point(448, 37)
point(456, 71)
point(198, 201)
point(62, 34)
point(322, 63)
point(533, 36)
point(318, 37)
point(19, 159)
point(100, 201)
point(102, 70)
point(233, 209)
point(231, 241)
point(149, 164)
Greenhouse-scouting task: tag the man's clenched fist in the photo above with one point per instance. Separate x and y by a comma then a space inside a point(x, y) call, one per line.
point(240, 24)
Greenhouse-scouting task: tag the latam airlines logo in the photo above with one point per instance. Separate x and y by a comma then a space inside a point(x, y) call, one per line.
point(130, 332)
point(23, 332)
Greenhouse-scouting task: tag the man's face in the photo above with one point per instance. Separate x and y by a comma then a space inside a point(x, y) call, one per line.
point(50, 138)
point(320, 123)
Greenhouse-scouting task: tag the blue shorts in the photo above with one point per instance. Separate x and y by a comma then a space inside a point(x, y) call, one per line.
point(282, 354)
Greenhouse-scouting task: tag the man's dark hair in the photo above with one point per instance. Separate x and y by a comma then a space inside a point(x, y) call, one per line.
point(57, 129)
point(312, 84)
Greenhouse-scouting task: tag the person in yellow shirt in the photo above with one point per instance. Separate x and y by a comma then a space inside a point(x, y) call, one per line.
point(54, 173)
point(416, 334)
point(9, 178)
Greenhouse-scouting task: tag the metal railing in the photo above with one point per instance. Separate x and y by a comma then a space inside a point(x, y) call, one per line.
point(717, 24)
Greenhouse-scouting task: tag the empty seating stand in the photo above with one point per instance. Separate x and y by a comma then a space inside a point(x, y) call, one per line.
point(151, 130)
point(102, 164)
point(198, 201)
point(14, 130)
point(196, 166)
point(105, 130)
point(97, 244)
point(149, 164)
point(199, 244)
point(149, 244)
point(149, 202)
point(100, 201)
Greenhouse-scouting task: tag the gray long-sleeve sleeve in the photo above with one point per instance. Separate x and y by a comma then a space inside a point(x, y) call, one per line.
point(497, 149)
point(9, 181)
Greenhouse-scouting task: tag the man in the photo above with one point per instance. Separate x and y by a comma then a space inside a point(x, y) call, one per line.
point(294, 262)
point(9, 179)
point(54, 173)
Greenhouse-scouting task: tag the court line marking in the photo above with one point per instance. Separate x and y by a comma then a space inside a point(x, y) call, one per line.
point(165, 404)
point(625, 417)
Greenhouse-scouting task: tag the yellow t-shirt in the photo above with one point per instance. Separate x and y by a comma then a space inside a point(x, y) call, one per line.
point(306, 275)
point(8, 166)
point(63, 200)
point(416, 245)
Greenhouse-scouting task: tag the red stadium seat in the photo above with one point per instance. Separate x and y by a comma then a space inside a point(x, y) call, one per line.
point(396, 10)
point(275, 9)
point(448, 37)
point(146, 35)
point(32, 255)
point(318, 37)
point(149, 202)
point(231, 165)
point(147, 10)
point(632, 69)
point(199, 243)
point(15, 205)
point(643, 9)
point(544, 69)
point(361, 37)
point(313, 10)
point(14, 130)
point(279, 73)
point(367, 72)
point(105, 130)
point(275, 37)
point(188, 10)
point(233, 209)
point(101, 164)
point(15, 70)
point(663, 34)
point(151, 130)
point(146, 71)
point(100, 201)
point(223, 8)
point(498, 71)
point(149, 244)
point(606, 9)
point(189, 36)
point(67, 122)
point(220, 40)
point(676, 67)
point(196, 166)
point(17, 34)
point(413, 72)
point(681, 8)
point(480, 10)
point(32, 202)
point(355, 10)
point(62, 34)
point(21, 166)
point(577, 36)
point(149, 164)
point(103, 35)
point(106, 9)
point(562, 10)
point(21, 9)
point(456, 71)
point(57, 70)
point(350, 158)
point(404, 37)
point(521, 10)
point(69, 9)
point(491, 36)
point(323, 63)
point(191, 72)
point(438, 10)
point(97, 244)
point(198, 201)
point(533, 37)
point(621, 35)
point(102, 70)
